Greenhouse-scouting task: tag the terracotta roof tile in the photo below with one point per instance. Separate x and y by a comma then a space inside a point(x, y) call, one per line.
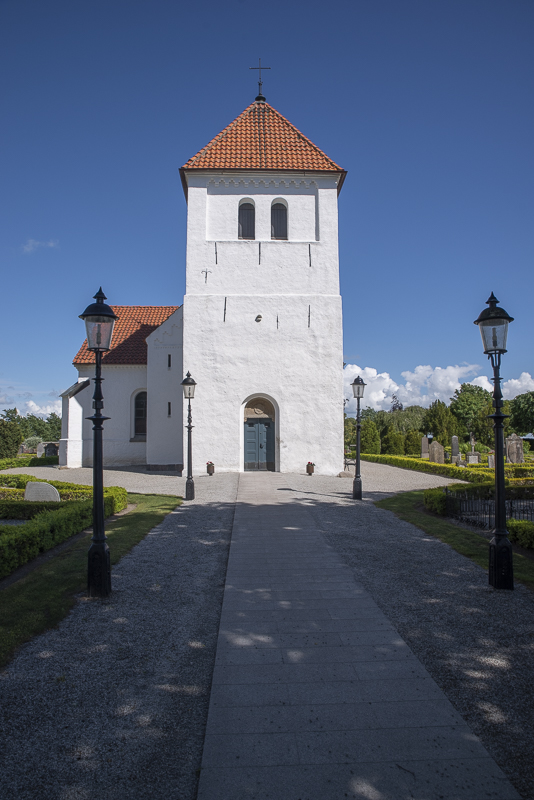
point(128, 345)
point(261, 138)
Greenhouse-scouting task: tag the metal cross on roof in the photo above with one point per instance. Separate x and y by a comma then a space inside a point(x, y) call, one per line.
point(260, 82)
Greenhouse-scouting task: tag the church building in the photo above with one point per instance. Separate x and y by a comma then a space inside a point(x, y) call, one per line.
point(260, 328)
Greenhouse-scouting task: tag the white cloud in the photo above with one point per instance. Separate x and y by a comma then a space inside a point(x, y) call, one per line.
point(30, 407)
point(422, 386)
point(484, 382)
point(32, 245)
point(515, 386)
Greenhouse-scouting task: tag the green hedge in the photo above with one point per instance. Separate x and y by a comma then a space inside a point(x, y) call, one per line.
point(521, 532)
point(48, 524)
point(423, 465)
point(28, 461)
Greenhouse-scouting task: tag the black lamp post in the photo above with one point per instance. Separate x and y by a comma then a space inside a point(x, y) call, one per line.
point(189, 392)
point(358, 387)
point(493, 324)
point(99, 321)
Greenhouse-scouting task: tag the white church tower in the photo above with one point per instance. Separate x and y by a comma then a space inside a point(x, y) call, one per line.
point(262, 314)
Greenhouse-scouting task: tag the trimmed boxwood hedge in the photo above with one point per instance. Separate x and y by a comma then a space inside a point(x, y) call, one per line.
point(423, 465)
point(49, 524)
point(521, 532)
point(28, 461)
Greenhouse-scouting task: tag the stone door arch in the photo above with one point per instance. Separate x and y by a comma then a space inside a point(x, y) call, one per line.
point(260, 435)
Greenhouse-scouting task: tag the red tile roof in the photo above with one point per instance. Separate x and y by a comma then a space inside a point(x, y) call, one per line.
point(261, 138)
point(128, 345)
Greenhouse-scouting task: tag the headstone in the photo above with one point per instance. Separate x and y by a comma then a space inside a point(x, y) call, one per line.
point(456, 459)
point(455, 447)
point(436, 453)
point(514, 449)
point(51, 449)
point(472, 458)
point(40, 449)
point(41, 492)
point(424, 447)
point(491, 461)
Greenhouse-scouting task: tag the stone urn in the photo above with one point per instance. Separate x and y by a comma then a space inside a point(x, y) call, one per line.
point(210, 468)
point(309, 468)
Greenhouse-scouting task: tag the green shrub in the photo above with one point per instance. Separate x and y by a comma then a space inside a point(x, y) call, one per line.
point(521, 532)
point(32, 441)
point(412, 443)
point(10, 439)
point(393, 443)
point(369, 437)
point(435, 500)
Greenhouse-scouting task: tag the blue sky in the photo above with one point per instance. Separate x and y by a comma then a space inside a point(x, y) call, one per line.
point(426, 103)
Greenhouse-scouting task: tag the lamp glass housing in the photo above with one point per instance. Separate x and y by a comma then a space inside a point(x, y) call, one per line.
point(494, 332)
point(188, 385)
point(358, 387)
point(99, 332)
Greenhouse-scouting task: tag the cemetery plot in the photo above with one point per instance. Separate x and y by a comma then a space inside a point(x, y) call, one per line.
point(54, 512)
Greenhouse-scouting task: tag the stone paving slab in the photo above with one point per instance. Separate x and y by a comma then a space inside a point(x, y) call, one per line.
point(315, 696)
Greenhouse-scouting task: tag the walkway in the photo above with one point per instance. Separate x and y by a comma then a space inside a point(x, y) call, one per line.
point(315, 696)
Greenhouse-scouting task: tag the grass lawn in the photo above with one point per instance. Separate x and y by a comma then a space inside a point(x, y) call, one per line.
point(43, 598)
point(409, 506)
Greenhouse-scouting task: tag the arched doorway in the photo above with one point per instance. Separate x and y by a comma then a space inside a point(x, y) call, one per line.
point(260, 435)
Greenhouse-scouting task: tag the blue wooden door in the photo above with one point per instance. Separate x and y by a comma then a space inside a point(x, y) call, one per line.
point(259, 444)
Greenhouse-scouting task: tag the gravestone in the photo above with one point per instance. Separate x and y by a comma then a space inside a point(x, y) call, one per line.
point(51, 449)
point(455, 447)
point(40, 449)
point(41, 492)
point(472, 458)
point(424, 447)
point(491, 461)
point(436, 453)
point(514, 449)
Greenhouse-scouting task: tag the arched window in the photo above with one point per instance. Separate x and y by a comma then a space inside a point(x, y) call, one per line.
point(278, 221)
point(140, 414)
point(247, 221)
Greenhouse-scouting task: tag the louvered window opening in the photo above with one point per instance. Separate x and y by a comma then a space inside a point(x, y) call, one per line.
point(278, 221)
point(247, 221)
point(140, 414)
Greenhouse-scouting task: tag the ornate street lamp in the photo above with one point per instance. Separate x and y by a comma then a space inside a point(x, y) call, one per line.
point(189, 392)
point(99, 321)
point(358, 387)
point(493, 325)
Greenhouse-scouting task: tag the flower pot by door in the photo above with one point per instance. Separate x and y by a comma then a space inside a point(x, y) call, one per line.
point(211, 469)
point(309, 469)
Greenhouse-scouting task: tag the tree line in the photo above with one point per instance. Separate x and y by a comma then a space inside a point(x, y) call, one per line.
point(16, 429)
point(399, 430)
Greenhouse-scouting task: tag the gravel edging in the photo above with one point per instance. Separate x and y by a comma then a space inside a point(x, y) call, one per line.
point(115, 700)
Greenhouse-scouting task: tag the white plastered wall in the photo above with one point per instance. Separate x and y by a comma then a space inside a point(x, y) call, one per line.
point(70, 444)
point(164, 432)
point(119, 386)
point(293, 355)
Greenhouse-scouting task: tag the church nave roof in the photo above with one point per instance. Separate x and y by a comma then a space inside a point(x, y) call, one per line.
point(128, 345)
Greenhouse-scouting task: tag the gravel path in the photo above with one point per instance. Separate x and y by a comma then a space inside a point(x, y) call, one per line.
point(112, 704)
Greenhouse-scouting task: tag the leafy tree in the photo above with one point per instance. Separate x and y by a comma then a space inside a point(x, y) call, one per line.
point(522, 413)
point(53, 424)
point(393, 443)
point(350, 431)
point(469, 405)
point(369, 437)
point(32, 441)
point(412, 443)
point(409, 419)
point(440, 421)
point(396, 404)
point(10, 438)
point(368, 413)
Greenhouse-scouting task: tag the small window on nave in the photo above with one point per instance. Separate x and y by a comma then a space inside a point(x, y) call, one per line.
point(247, 214)
point(278, 221)
point(140, 414)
